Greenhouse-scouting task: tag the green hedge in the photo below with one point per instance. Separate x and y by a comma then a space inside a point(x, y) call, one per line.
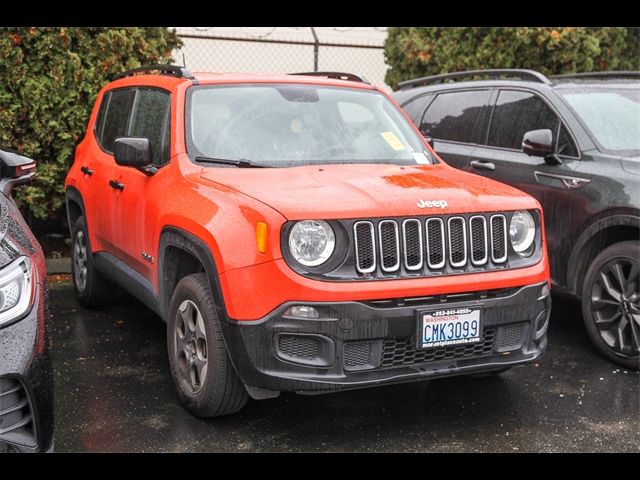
point(49, 78)
point(413, 52)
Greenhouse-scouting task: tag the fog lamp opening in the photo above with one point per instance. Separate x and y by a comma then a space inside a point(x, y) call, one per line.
point(302, 311)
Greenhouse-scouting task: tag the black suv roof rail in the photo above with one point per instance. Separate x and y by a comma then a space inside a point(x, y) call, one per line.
point(610, 74)
point(518, 73)
point(352, 77)
point(163, 69)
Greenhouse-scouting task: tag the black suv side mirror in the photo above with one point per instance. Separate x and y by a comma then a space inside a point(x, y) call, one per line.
point(15, 170)
point(539, 143)
point(134, 152)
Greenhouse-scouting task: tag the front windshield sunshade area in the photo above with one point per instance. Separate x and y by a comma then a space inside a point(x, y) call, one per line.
point(612, 116)
point(293, 124)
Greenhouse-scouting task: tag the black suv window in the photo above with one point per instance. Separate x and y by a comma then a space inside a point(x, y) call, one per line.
point(457, 116)
point(150, 119)
point(518, 112)
point(116, 117)
point(415, 108)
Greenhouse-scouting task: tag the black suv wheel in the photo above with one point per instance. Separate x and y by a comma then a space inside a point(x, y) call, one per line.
point(611, 303)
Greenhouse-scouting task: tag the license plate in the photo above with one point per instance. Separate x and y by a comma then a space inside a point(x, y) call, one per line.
point(445, 327)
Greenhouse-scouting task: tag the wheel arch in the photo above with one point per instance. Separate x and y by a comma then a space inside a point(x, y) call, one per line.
point(75, 206)
point(182, 253)
point(607, 229)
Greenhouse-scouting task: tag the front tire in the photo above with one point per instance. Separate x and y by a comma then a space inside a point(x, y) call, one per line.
point(205, 380)
point(92, 289)
point(611, 303)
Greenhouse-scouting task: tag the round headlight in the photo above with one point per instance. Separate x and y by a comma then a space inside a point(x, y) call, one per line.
point(311, 242)
point(522, 231)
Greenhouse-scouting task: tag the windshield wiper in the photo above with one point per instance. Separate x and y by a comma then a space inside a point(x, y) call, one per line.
point(240, 163)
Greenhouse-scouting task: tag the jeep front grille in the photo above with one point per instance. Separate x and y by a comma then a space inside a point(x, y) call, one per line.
point(498, 238)
point(478, 234)
point(430, 245)
point(389, 245)
point(365, 247)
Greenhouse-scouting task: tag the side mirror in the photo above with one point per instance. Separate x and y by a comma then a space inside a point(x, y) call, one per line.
point(134, 152)
point(539, 143)
point(15, 170)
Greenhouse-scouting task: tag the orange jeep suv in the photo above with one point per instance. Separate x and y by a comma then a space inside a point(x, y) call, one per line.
point(297, 233)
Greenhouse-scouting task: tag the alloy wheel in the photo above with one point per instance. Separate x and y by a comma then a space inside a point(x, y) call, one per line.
point(615, 305)
point(191, 346)
point(80, 261)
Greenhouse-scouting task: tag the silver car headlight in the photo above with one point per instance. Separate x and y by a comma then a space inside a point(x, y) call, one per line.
point(16, 289)
point(311, 242)
point(522, 231)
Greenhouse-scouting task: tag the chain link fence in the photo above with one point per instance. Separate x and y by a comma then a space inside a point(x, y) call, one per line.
point(221, 53)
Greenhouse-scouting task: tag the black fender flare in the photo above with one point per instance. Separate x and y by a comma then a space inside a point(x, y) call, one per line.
point(615, 220)
point(73, 194)
point(177, 237)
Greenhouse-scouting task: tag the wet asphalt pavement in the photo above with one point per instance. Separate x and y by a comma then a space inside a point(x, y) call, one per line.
point(114, 394)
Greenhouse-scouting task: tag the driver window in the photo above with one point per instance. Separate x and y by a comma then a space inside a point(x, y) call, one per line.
point(150, 119)
point(516, 113)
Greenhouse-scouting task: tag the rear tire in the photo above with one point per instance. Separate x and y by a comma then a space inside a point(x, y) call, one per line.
point(205, 380)
point(92, 289)
point(611, 303)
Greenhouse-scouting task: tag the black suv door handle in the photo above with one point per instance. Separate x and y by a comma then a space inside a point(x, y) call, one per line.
point(86, 170)
point(116, 185)
point(483, 165)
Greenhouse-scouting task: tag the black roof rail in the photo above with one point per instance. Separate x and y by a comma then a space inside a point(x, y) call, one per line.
point(496, 73)
point(609, 74)
point(163, 69)
point(352, 77)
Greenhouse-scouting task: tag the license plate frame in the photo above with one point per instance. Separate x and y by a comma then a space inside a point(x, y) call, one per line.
point(437, 316)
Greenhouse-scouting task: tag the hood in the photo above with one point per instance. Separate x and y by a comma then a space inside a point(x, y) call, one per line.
point(631, 164)
point(369, 190)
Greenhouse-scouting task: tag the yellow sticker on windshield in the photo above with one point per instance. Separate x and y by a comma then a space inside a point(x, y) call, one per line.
point(393, 141)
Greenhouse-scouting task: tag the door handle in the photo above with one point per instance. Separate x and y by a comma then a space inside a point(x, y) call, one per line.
point(116, 185)
point(86, 170)
point(483, 165)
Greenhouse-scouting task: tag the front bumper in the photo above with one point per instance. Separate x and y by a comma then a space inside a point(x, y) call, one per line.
point(26, 380)
point(368, 343)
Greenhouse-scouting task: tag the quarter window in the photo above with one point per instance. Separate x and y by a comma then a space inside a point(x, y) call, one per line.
point(415, 108)
point(99, 125)
point(457, 116)
point(150, 119)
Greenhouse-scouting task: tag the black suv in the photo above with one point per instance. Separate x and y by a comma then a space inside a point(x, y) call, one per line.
point(26, 380)
point(573, 142)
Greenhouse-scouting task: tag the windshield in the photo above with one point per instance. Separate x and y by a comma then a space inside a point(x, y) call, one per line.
point(612, 116)
point(286, 125)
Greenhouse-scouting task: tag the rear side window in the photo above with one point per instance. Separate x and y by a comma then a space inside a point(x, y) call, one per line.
point(99, 125)
point(116, 117)
point(457, 116)
point(150, 119)
point(416, 107)
point(515, 114)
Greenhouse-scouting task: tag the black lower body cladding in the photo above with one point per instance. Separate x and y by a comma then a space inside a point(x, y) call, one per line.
point(360, 344)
